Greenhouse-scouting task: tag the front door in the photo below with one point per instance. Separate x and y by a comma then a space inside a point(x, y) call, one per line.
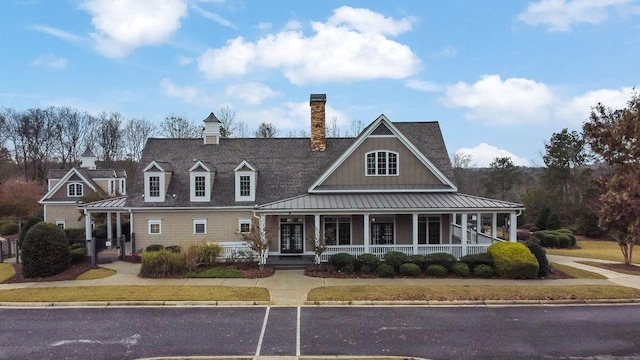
point(291, 238)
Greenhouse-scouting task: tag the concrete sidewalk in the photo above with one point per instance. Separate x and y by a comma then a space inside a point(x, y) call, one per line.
point(290, 287)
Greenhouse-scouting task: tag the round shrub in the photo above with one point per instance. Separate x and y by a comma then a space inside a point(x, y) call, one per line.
point(26, 225)
point(513, 260)
point(395, 259)
point(385, 271)
point(553, 222)
point(541, 255)
point(483, 271)
point(436, 270)
point(461, 270)
point(419, 260)
point(45, 251)
point(342, 262)
point(75, 235)
point(443, 259)
point(367, 263)
point(9, 228)
point(78, 253)
point(474, 260)
point(154, 247)
point(409, 269)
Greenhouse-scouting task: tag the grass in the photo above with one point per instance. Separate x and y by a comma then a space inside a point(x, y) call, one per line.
point(461, 292)
point(6, 272)
point(577, 273)
point(99, 273)
point(592, 249)
point(600, 265)
point(216, 272)
point(136, 293)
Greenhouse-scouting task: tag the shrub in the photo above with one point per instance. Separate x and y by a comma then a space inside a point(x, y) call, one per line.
point(202, 254)
point(461, 269)
point(542, 218)
point(474, 260)
point(76, 245)
point(513, 260)
point(174, 248)
point(342, 262)
point(78, 253)
point(154, 247)
point(163, 263)
point(553, 222)
point(26, 225)
point(442, 259)
point(9, 228)
point(409, 269)
point(419, 260)
point(367, 263)
point(395, 259)
point(541, 255)
point(75, 235)
point(436, 270)
point(483, 271)
point(561, 238)
point(45, 251)
point(523, 235)
point(385, 271)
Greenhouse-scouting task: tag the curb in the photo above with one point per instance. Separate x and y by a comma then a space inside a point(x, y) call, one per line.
point(463, 303)
point(104, 304)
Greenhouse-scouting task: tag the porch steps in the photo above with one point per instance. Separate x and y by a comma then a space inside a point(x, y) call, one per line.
point(297, 262)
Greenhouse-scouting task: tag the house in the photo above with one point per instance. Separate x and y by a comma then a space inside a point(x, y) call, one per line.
point(387, 189)
point(66, 189)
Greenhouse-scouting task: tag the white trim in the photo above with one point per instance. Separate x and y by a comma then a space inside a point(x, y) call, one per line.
point(340, 191)
point(198, 164)
point(147, 188)
point(75, 189)
point(199, 222)
point(375, 152)
point(61, 222)
point(337, 217)
point(192, 186)
point(252, 185)
point(243, 164)
point(244, 221)
point(63, 181)
point(304, 237)
point(395, 227)
point(154, 222)
point(153, 164)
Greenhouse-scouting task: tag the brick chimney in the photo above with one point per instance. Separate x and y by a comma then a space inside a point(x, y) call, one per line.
point(318, 132)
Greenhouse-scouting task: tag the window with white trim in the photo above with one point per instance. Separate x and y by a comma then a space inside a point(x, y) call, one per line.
point(123, 187)
point(75, 189)
point(381, 163)
point(200, 185)
point(199, 226)
point(245, 186)
point(155, 227)
point(112, 187)
point(244, 226)
point(61, 223)
point(429, 230)
point(154, 186)
point(337, 230)
point(382, 230)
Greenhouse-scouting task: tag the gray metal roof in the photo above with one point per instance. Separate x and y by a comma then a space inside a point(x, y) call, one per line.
point(117, 203)
point(380, 202)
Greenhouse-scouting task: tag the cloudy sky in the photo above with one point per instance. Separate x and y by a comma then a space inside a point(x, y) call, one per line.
point(500, 76)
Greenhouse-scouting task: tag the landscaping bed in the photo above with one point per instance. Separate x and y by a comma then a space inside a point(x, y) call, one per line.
point(75, 270)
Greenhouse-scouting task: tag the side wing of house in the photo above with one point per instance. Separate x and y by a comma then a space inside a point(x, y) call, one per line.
point(64, 192)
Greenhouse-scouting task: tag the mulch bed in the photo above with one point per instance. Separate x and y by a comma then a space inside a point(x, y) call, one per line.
point(621, 266)
point(70, 274)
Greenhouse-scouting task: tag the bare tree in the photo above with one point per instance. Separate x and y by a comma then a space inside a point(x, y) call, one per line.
point(332, 129)
point(356, 127)
point(136, 132)
point(230, 127)
point(178, 127)
point(266, 130)
point(110, 136)
point(258, 240)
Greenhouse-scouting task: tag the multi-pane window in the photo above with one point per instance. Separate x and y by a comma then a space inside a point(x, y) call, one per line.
point(337, 230)
point(244, 225)
point(428, 230)
point(382, 163)
point(199, 226)
point(245, 185)
point(382, 230)
point(155, 227)
point(154, 186)
point(74, 189)
point(199, 183)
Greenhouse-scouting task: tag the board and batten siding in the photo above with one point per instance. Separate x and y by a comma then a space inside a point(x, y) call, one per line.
point(411, 170)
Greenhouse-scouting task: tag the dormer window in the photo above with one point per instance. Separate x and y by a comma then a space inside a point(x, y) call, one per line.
point(156, 179)
point(245, 182)
point(200, 181)
point(75, 190)
point(154, 186)
point(381, 163)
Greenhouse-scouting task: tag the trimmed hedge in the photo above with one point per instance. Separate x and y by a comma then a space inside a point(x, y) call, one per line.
point(154, 247)
point(541, 255)
point(395, 259)
point(461, 269)
point(513, 260)
point(561, 238)
point(342, 262)
point(385, 271)
point(474, 260)
point(483, 271)
point(443, 259)
point(9, 228)
point(367, 263)
point(419, 260)
point(44, 251)
point(436, 270)
point(409, 269)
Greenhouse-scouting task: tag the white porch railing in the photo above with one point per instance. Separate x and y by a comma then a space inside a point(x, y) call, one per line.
point(233, 249)
point(380, 250)
point(473, 237)
point(354, 250)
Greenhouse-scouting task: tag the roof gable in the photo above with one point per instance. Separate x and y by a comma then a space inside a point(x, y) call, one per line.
point(160, 166)
point(201, 166)
point(73, 175)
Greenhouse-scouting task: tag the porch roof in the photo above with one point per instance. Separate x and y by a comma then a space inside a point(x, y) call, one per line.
point(111, 204)
point(385, 202)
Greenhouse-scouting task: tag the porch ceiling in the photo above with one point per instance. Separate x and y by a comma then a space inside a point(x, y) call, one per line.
point(427, 202)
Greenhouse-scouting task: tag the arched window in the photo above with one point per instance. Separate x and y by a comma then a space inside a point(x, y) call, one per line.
point(381, 163)
point(74, 189)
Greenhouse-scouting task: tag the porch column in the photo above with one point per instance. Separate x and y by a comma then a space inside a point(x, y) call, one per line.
point(464, 234)
point(452, 221)
point(118, 225)
point(109, 226)
point(478, 223)
point(494, 226)
point(87, 233)
point(316, 236)
point(513, 227)
point(263, 236)
point(132, 239)
point(366, 233)
point(415, 234)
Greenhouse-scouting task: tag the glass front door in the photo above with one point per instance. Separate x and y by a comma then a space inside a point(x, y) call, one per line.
point(291, 238)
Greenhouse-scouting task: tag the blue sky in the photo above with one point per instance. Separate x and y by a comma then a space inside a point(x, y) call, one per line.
point(500, 76)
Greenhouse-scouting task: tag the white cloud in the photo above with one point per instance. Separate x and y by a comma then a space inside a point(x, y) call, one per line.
point(124, 25)
point(251, 93)
point(426, 86)
point(352, 45)
point(483, 154)
point(185, 60)
point(289, 116)
point(213, 16)
point(514, 100)
point(189, 94)
point(560, 15)
point(50, 61)
point(446, 52)
point(578, 108)
point(60, 34)
point(265, 26)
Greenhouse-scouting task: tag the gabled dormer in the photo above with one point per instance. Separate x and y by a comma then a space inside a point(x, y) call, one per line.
point(245, 181)
point(211, 132)
point(157, 176)
point(201, 176)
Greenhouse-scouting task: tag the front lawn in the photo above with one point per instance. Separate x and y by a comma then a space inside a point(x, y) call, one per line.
point(592, 249)
point(6, 272)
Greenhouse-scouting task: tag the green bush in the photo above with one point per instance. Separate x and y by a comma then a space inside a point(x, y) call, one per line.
point(474, 260)
point(163, 264)
point(543, 217)
point(78, 253)
point(9, 228)
point(75, 235)
point(419, 260)
point(443, 259)
point(174, 248)
point(561, 238)
point(385, 271)
point(483, 271)
point(541, 255)
point(154, 247)
point(395, 259)
point(367, 263)
point(202, 254)
point(76, 245)
point(44, 251)
point(409, 269)
point(435, 270)
point(513, 260)
point(26, 225)
point(461, 269)
point(342, 262)
point(553, 222)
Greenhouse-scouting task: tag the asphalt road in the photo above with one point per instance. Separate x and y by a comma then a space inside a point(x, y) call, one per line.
point(576, 332)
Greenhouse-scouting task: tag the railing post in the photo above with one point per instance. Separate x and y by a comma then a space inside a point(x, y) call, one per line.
point(415, 234)
point(366, 233)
